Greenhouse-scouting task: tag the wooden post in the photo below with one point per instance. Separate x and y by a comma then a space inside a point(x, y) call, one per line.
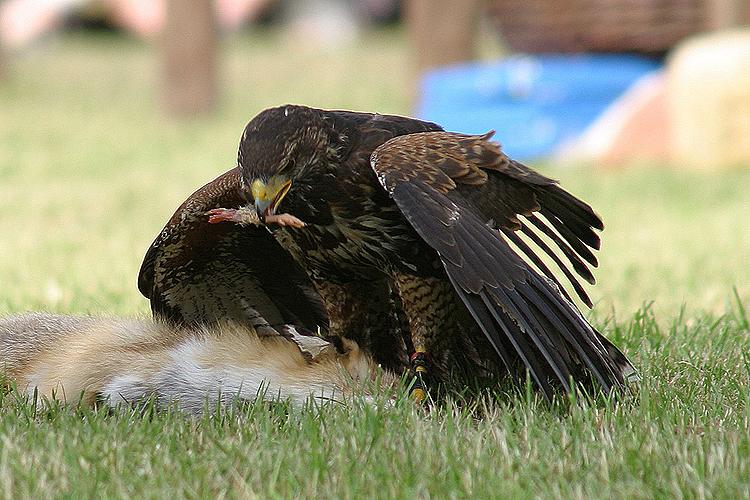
point(189, 57)
point(2, 60)
point(725, 13)
point(442, 31)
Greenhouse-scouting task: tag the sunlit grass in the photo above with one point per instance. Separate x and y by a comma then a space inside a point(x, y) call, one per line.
point(90, 171)
point(685, 435)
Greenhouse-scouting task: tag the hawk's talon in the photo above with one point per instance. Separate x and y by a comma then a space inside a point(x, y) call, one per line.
point(418, 393)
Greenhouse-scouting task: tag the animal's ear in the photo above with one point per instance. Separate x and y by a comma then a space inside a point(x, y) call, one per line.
point(342, 345)
point(349, 347)
point(358, 365)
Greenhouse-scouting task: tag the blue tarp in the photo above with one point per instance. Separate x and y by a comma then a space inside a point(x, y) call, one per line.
point(535, 103)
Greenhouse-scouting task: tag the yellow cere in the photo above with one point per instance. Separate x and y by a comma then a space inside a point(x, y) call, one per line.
point(274, 191)
point(258, 189)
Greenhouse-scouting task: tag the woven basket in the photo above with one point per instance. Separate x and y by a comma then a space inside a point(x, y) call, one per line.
point(640, 26)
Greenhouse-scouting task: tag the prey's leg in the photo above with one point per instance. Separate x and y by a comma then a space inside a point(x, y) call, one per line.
point(247, 215)
point(243, 216)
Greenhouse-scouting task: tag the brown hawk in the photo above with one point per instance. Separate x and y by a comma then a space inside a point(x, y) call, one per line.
point(419, 242)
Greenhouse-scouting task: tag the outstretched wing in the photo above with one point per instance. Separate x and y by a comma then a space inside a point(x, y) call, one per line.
point(197, 272)
point(467, 200)
point(510, 197)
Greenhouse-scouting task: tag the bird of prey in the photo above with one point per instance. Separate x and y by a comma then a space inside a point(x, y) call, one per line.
point(422, 243)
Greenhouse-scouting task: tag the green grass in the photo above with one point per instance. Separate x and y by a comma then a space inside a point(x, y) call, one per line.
point(90, 171)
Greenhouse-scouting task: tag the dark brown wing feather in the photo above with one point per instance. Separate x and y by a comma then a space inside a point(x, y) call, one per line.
point(196, 272)
point(437, 181)
point(507, 193)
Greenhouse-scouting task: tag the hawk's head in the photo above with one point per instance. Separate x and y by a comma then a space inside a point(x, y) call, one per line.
point(281, 150)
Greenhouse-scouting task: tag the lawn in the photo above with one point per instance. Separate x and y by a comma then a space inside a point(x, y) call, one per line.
point(90, 171)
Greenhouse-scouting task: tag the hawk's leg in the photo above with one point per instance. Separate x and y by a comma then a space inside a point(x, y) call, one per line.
point(433, 315)
point(419, 367)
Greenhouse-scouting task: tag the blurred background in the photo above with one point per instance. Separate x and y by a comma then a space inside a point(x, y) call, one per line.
point(113, 111)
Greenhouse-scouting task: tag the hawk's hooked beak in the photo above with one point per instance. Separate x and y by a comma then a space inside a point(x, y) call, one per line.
point(268, 196)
